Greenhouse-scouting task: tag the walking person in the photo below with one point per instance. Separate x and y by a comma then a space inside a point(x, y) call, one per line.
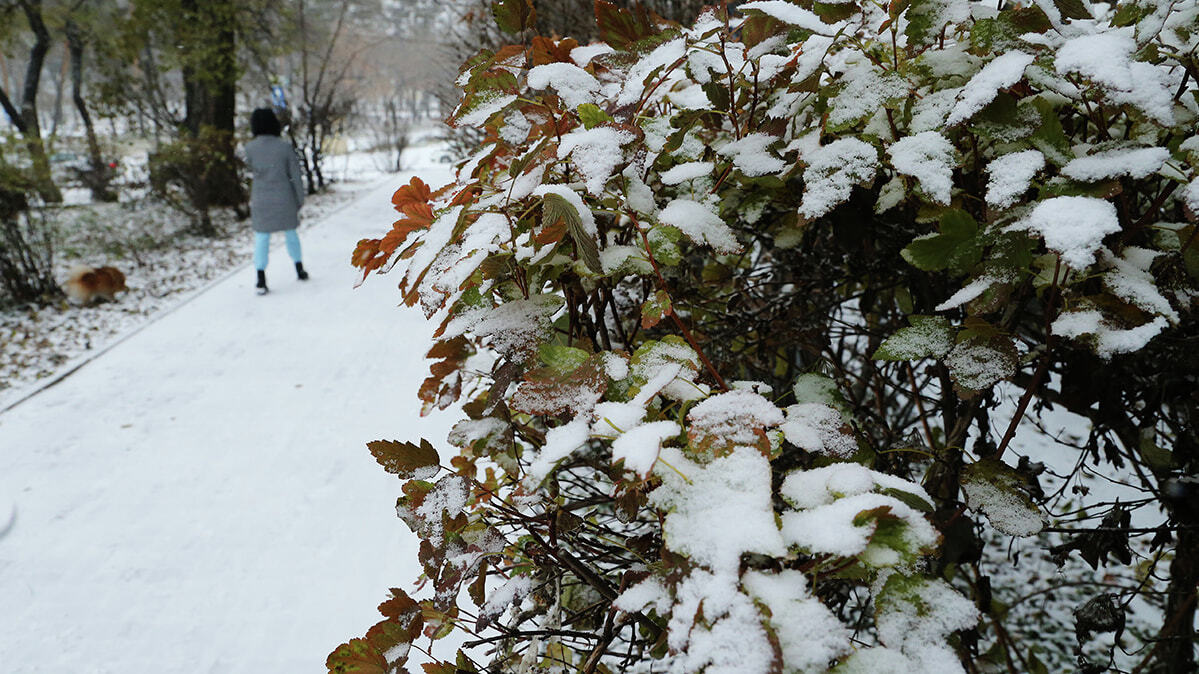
point(276, 194)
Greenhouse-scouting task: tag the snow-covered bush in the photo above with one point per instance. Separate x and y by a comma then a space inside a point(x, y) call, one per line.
point(724, 304)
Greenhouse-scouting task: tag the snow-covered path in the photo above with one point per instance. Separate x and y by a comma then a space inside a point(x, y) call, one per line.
point(200, 498)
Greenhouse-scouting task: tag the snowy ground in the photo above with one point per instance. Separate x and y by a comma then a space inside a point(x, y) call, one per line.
point(199, 498)
point(163, 263)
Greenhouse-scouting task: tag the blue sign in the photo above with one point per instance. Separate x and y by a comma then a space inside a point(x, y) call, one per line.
point(277, 98)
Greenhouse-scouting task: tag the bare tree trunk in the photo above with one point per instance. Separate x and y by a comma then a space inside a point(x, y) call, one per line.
point(1176, 645)
point(99, 175)
point(210, 92)
point(60, 82)
point(27, 114)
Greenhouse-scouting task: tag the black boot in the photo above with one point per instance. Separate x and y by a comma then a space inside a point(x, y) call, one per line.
point(300, 273)
point(262, 289)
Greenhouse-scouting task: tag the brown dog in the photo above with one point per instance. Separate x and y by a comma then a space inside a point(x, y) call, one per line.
point(87, 284)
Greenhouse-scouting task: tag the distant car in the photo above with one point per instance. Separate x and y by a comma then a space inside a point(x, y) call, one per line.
point(446, 159)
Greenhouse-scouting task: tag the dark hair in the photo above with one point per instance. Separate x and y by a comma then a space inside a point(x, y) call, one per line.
point(263, 122)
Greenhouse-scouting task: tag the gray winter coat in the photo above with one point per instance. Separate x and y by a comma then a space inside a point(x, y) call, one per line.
point(278, 188)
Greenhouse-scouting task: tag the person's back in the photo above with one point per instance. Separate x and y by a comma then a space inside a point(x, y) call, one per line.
point(278, 189)
point(276, 194)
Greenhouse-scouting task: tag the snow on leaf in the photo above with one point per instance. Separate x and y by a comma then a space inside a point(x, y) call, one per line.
point(717, 629)
point(560, 442)
point(515, 328)
point(928, 337)
point(930, 112)
point(1131, 162)
point(819, 428)
point(832, 172)
point(484, 436)
point(575, 85)
point(649, 593)
point(1106, 59)
point(849, 526)
point(751, 156)
point(1132, 282)
point(511, 592)
point(686, 171)
point(866, 90)
point(927, 157)
point(1190, 195)
point(995, 489)
point(639, 446)
point(977, 366)
point(731, 488)
point(809, 635)
point(554, 391)
point(734, 418)
point(806, 489)
point(969, 292)
point(662, 56)
point(583, 55)
point(482, 107)
point(1108, 339)
point(1010, 176)
point(1073, 227)
point(432, 241)
point(1006, 70)
point(916, 615)
point(595, 153)
point(700, 225)
point(792, 15)
point(424, 507)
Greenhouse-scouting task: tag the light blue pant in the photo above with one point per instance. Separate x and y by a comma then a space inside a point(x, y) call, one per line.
point(262, 247)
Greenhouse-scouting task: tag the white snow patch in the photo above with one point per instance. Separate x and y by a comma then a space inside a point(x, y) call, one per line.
point(832, 172)
point(1003, 72)
point(927, 157)
point(686, 171)
point(816, 427)
point(1134, 163)
point(700, 225)
point(1073, 227)
point(792, 15)
point(639, 446)
point(1010, 176)
point(575, 85)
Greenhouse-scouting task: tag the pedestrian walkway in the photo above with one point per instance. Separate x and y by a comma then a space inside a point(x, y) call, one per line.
point(199, 498)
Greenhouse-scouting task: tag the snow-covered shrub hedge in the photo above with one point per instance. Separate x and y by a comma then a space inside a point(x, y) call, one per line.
point(724, 304)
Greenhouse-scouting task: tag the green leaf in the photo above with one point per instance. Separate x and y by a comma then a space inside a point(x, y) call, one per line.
point(1050, 138)
point(514, 16)
point(592, 115)
point(909, 499)
point(1129, 14)
point(663, 243)
point(1157, 458)
point(1190, 255)
point(718, 95)
point(655, 309)
point(405, 459)
point(957, 248)
point(830, 12)
point(562, 359)
point(928, 337)
point(554, 208)
point(1072, 9)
